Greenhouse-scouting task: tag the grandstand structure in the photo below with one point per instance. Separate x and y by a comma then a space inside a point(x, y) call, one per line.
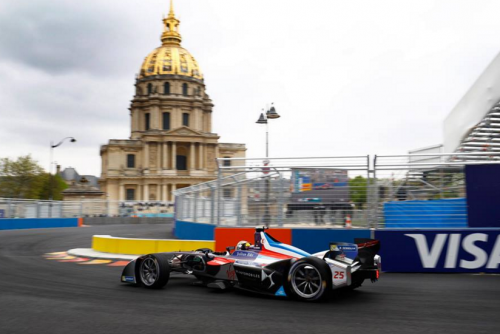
point(473, 126)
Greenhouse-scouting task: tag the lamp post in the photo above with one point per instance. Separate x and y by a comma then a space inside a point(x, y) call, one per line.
point(270, 114)
point(51, 189)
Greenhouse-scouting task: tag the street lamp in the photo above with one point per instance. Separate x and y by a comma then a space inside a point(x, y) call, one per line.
point(270, 114)
point(52, 147)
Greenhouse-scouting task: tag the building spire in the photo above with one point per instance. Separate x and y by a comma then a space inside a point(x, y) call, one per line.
point(171, 12)
point(171, 28)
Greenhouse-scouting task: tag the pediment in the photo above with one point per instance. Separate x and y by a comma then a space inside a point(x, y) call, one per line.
point(184, 131)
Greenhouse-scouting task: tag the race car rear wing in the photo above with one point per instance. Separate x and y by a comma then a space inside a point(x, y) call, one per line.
point(367, 250)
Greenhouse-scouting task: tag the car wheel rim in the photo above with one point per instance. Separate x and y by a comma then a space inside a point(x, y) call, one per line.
point(149, 271)
point(306, 280)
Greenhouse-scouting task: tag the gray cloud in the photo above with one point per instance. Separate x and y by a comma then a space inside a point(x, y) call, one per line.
point(347, 77)
point(59, 36)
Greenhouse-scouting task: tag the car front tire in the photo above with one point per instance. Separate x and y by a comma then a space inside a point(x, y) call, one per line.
point(154, 271)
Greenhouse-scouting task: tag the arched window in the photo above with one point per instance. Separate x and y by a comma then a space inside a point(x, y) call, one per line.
point(166, 88)
point(150, 88)
point(185, 89)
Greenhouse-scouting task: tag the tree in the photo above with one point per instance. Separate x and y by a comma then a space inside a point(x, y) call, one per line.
point(56, 182)
point(357, 189)
point(20, 178)
point(24, 178)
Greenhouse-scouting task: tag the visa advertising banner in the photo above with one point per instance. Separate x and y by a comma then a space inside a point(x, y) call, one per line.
point(447, 250)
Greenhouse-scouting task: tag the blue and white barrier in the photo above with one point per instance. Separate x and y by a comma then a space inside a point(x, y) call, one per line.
point(27, 223)
point(443, 250)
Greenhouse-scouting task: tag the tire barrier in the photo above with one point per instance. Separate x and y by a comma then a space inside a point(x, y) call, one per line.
point(29, 223)
point(131, 246)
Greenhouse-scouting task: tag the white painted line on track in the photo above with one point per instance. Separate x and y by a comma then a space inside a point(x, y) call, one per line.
point(88, 252)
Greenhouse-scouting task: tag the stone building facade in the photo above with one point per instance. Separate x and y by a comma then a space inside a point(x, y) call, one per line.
point(171, 144)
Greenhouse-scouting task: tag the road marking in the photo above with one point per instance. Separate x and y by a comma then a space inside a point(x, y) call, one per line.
point(96, 262)
point(78, 259)
point(119, 264)
point(55, 253)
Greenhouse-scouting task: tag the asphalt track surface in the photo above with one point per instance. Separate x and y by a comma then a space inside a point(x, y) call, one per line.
point(43, 296)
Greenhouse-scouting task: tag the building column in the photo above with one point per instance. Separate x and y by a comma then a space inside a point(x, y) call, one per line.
point(192, 163)
point(164, 192)
point(141, 192)
point(200, 156)
point(217, 155)
point(146, 155)
point(205, 157)
point(122, 192)
point(174, 187)
point(158, 158)
point(174, 155)
point(146, 192)
point(158, 192)
point(165, 151)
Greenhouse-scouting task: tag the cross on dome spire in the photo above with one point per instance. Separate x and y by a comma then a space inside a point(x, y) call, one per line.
point(171, 28)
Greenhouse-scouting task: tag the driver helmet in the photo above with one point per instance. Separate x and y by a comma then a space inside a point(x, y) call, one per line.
point(243, 245)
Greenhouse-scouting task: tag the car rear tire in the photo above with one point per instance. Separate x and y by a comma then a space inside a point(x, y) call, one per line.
point(154, 271)
point(309, 279)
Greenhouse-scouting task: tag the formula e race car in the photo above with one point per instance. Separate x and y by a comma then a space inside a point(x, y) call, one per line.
point(268, 267)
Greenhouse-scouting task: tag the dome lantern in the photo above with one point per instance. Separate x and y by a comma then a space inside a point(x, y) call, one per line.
point(170, 58)
point(171, 28)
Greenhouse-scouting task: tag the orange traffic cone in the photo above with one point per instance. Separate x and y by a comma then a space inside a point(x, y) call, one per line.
point(348, 221)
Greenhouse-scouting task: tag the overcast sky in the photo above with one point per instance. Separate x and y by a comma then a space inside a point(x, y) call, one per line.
point(347, 77)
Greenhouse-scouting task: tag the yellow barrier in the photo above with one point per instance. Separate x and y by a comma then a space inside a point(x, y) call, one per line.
point(109, 244)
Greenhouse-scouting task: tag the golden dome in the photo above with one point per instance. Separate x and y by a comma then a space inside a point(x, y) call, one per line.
point(170, 58)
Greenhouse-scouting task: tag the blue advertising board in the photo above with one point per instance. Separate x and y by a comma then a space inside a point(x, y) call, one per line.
point(316, 240)
point(27, 223)
point(445, 250)
point(483, 195)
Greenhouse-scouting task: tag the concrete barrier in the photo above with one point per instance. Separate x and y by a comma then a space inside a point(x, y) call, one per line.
point(196, 231)
point(131, 246)
point(314, 240)
point(311, 240)
point(126, 220)
point(230, 236)
point(440, 250)
point(29, 223)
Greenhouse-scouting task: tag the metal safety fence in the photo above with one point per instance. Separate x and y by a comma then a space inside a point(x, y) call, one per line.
point(423, 190)
point(280, 192)
point(24, 208)
point(400, 191)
